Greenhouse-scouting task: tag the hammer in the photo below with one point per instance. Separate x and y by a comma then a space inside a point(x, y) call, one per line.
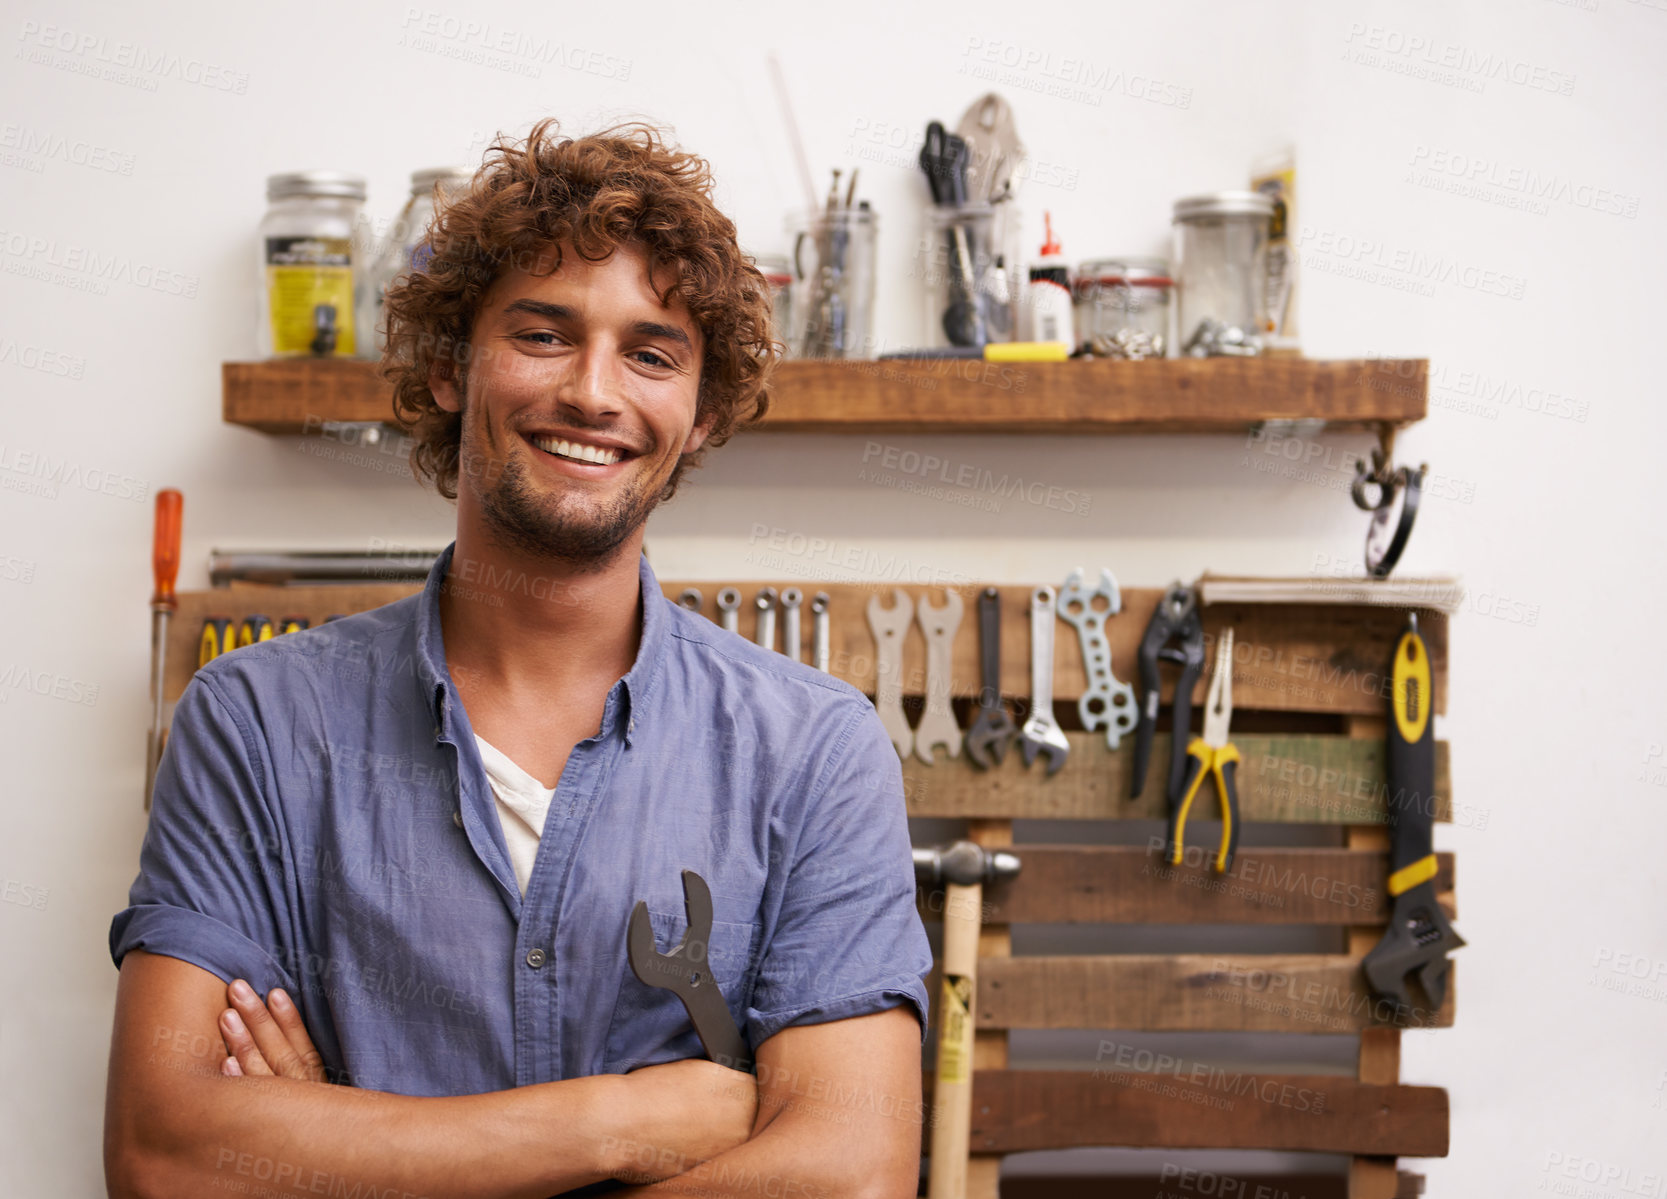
point(964, 868)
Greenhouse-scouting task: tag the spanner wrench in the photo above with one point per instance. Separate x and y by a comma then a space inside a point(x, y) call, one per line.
point(690, 599)
point(993, 729)
point(765, 602)
point(1041, 732)
point(819, 632)
point(1105, 701)
point(890, 626)
point(937, 723)
point(792, 639)
point(684, 972)
point(729, 609)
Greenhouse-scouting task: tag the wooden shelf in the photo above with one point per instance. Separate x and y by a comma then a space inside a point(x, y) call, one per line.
point(1177, 395)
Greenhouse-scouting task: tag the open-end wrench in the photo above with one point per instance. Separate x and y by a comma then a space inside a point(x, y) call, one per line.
point(993, 729)
point(729, 609)
point(690, 599)
point(792, 639)
point(1105, 701)
point(937, 723)
point(1041, 732)
point(765, 632)
point(1419, 935)
point(683, 971)
point(890, 626)
point(819, 632)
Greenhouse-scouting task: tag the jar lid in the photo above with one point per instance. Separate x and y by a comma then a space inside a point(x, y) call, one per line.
point(449, 179)
point(315, 183)
point(1228, 203)
point(1116, 272)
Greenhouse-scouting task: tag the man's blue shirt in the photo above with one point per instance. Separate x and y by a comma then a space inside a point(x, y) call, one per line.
point(321, 821)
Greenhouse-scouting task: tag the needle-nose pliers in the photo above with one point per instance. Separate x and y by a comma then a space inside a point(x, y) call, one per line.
point(1215, 755)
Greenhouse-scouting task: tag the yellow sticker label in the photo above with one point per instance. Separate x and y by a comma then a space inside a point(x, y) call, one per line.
point(1412, 694)
point(955, 1041)
point(302, 275)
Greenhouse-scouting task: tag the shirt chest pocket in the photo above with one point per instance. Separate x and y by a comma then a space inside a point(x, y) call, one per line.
point(650, 1024)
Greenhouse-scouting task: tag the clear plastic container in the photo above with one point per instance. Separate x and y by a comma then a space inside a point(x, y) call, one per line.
point(968, 293)
point(1125, 307)
point(1221, 251)
point(310, 242)
point(394, 249)
point(833, 283)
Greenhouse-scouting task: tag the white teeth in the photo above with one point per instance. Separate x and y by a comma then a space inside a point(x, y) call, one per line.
point(602, 455)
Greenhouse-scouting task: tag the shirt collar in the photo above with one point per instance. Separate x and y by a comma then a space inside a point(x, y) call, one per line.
point(635, 686)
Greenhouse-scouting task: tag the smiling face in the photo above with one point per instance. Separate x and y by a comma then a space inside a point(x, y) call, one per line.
point(579, 400)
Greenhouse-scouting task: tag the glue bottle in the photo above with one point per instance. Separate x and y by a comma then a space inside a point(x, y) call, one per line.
point(1049, 291)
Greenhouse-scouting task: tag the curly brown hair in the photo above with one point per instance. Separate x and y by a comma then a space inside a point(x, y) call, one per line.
point(625, 184)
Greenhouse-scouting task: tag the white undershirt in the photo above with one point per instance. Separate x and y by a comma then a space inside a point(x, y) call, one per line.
point(522, 802)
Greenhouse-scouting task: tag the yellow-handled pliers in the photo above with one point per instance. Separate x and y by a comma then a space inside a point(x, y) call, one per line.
point(1215, 755)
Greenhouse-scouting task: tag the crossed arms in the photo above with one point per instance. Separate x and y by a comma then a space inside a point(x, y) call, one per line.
point(835, 1111)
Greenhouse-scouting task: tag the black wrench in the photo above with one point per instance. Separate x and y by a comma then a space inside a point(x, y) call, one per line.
point(683, 971)
point(994, 728)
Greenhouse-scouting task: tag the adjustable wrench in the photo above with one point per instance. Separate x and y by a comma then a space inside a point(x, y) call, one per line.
point(1041, 733)
point(937, 723)
point(792, 639)
point(765, 602)
point(993, 729)
point(1419, 934)
point(890, 626)
point(690, 599)
point(819, 632)
point(683, 971)
point(729, 609)
point(1106, 701)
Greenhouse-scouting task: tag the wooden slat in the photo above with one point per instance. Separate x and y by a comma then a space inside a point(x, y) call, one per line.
point(315, 603)
point(1023, 1110)
point(1306, 659)
point(294, 395)
point(1288, 779)
point(1174, 992)
point(1216, 395)
point(1116, 884)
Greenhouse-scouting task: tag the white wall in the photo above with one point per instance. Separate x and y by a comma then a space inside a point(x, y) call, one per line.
point(1556, 722)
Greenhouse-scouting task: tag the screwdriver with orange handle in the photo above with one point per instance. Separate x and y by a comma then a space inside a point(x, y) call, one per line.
point(170, 505)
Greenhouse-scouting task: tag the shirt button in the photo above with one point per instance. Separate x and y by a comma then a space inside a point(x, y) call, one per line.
point(535, 958)
point(457, 817)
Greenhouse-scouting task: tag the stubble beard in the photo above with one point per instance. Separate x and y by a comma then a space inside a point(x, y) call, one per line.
point(568, 527)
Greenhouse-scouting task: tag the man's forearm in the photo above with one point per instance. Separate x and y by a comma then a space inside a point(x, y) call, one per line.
point(806, 1157)
point(529, 1142)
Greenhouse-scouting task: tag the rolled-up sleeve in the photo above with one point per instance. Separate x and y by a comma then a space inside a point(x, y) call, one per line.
point(211, 882)
point(848, 939)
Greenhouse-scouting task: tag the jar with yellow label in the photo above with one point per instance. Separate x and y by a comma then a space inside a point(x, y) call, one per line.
point(308, 241)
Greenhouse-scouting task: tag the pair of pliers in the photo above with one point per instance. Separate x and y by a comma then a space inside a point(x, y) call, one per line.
point(1174, 634)
point(1215, 755)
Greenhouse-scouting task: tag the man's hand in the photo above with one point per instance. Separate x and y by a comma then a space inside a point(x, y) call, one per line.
point(267, 1041)
point(679, 1114)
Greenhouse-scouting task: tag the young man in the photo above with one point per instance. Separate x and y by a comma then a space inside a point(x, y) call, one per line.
point(418, 833)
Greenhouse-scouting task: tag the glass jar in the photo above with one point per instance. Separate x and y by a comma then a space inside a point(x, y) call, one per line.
point(1124, 307)
point(778, 277)
point(1221, 251)
point(311, 240)
point(395, 249)
point(833, 283)
point(968, 294)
